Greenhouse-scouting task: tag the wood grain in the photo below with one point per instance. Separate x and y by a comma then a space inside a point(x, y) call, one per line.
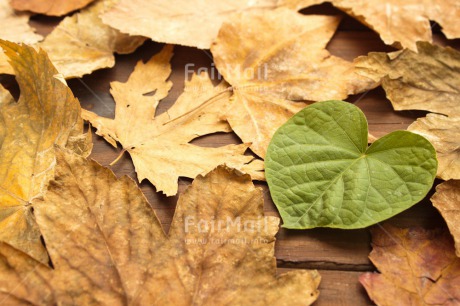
point(339, 255)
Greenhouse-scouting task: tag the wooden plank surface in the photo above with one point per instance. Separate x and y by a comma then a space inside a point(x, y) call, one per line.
point(339, 255)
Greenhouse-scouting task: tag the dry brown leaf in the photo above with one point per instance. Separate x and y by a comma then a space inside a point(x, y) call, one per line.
point(418, 267)
point(15, 26)
point(108, 247)
point(182, 22)
point(447, 201)
point(81, 43)
point(23, 280)
point(49, 7)
point(444, 133)
point(427, 80)
point(159, 146)
point(270, 70)
point(46, 114)
point(401, 22)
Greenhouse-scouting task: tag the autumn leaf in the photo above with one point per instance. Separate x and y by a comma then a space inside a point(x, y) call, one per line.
point(51, 8)
point(428, 80)
point(444, 133)
point(23, 280)
point(400, 22)
point(81, 43)
point(108, 247)
point(15, 26)
point(46, 114)
point(270, 70)
point(159, 146)
point(183, 22)
point(418, 267)
point(447, 201)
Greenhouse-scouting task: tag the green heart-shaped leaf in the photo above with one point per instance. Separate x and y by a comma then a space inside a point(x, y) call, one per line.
point(322, 174)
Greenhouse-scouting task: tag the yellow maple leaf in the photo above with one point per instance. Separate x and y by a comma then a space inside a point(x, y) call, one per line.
point(47, 114)
point(159, 146)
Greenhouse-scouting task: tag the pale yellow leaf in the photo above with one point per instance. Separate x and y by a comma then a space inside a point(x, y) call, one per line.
point(81, 43)
point(444, 133)
point(183, 22)
point(15, 25)
point(49, 7)
point(160, 146)
point(447, 201)
point(400, 22)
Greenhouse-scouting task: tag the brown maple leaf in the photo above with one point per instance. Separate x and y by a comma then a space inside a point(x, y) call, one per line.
point(418, 267)
point(81, 43)
point(447, 201)
point(50, 7)
point(182, 22)
point(444, 133)
point(400, 22)
point(159, 146)
point(108, 247)
point(46, 114)
point(274, 59)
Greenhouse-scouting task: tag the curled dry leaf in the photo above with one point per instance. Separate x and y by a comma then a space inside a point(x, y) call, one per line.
point(183, 22)
point(401, 22)
point(46, 114)
point(51, 8)
point(162, 152)
point(428, 80)
point(81, 43)
point(447, 201)
point(271, 70)
point(108, 247)
point(444, 133)
point(417, 266)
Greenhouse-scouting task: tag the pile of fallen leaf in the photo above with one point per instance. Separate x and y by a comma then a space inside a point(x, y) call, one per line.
point(73, 233)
